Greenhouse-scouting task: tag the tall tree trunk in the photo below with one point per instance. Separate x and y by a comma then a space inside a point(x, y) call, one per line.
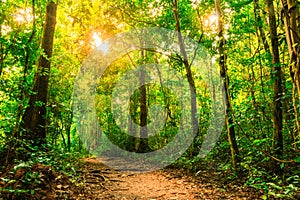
point(34, 119)
point(190, 79)
point(259, 21)
point(276, 76)
point(133, 140)
point(68, 130)
point(224, 74)
point(291, 14)
point(143, 146)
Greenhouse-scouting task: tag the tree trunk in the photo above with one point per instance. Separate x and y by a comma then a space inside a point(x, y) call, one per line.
point(34, 118)
point(143, 146)
point(134, 140)
point(276, 76)
point(68, 130)
point(259, 21)
point(292, 28)
point(223, 71)
point(194, 151)
point(291, 13)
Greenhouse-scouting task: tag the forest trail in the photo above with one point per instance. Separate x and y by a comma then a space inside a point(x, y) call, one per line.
point(102, 182)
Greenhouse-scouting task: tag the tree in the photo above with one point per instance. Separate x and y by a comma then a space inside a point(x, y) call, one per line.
point(189, 76)
point(223, 71)
point(276, 76)
point(34, 118)
point(262, 35)
point(143, 146)
point(291, 13)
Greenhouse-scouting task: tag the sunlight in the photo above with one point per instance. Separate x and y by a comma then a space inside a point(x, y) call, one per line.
point(97, 40)
point(155, 9)
point(226, 36)
point(23, 16)
point(212, 20)
point(5, 29)
point(214, 60)
point(98, 43)
point(195, 3)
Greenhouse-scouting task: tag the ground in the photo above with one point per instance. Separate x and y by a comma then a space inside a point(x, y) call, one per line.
point(103, 182)
point(98, 181)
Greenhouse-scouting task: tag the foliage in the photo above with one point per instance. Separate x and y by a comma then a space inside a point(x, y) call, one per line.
point(36, 176)
point(249, 67)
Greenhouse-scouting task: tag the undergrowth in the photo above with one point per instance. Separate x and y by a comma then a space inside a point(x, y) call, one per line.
point(38, 171)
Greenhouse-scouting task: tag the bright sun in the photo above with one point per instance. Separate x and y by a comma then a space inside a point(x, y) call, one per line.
point(97, 40)
point(98, 43)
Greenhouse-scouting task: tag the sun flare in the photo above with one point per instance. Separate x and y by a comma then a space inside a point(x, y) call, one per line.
point(99, 44)
point(97, 41)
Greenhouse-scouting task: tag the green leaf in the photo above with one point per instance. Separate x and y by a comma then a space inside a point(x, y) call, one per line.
point(259, 141)
point(275, 186)
point(32, 191)
point(281, 165)
point(297, 159)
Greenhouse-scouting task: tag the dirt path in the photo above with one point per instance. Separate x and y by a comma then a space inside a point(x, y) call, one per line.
point(102, 182)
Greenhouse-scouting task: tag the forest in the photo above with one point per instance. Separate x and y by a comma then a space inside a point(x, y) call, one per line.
point(153, 99)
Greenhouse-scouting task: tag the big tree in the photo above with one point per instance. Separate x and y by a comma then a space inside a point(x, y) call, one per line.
point(276, 72)
point(291, 15)
point(224, 74)
point(34, 119)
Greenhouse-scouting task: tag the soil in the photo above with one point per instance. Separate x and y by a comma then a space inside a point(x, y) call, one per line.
point(102, 182)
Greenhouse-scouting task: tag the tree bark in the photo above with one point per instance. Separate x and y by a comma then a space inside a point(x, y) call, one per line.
point(292, 28)
point(190, 79)
point(224, 74)
point(259, 21)
point(34, 119)
point(291, 14)
point(143, 146)
point(277, 86)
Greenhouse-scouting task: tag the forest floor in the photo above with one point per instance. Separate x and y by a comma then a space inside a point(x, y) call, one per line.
point(101, 182)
